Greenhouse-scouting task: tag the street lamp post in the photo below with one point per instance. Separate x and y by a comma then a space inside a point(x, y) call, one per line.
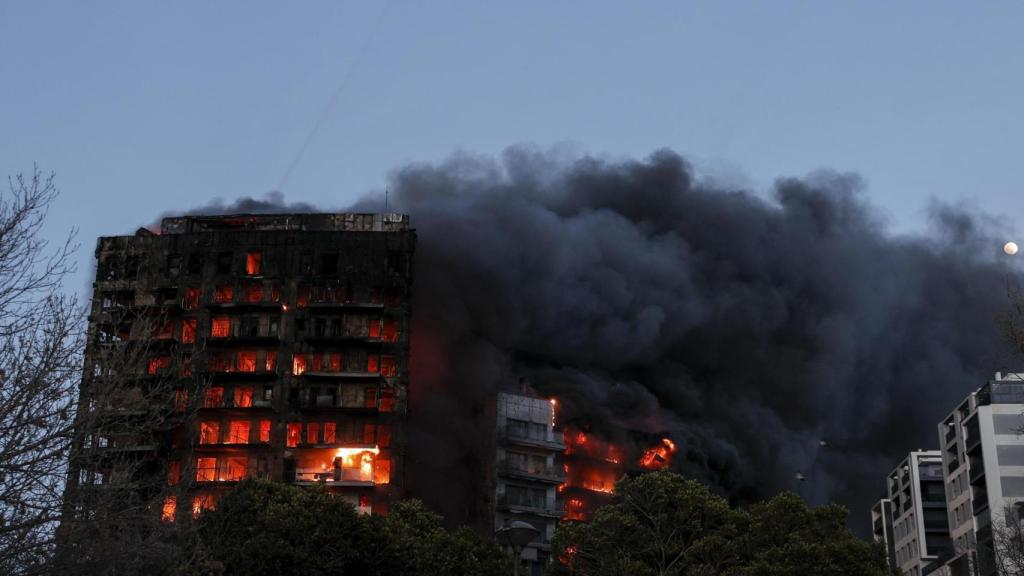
point(516, 535)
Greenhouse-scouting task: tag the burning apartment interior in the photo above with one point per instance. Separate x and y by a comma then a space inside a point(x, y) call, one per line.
point(260, 346)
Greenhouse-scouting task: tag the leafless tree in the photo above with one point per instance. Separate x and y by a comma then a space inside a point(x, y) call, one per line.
point(137, 392)
point(1008, 542)
point(81, 412)
point(40, 343)
point(122, 495)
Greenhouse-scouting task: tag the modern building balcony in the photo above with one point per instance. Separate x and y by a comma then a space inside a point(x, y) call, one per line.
point(164, 307)
point(228, 404)
point(950, 434)
point(140, 448)
point(342, 375)
point(332, 338)
point(977, 475)
point(334, 304)
point(1001, 392)
point(236, 375)
point(361, 475)
point(224, 447)
point(973, 444)
point(555, 510)
point(506, 435)
point(979, 504)
point(326, 478)
point(334, 402)
point(547, 474)
point(241, 338)
point(244, 306)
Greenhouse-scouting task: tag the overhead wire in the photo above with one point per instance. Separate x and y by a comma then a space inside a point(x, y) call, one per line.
point(342, 86)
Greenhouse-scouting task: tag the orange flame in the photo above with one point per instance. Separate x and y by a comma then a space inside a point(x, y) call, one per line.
point(658, 457)
point(361, 456)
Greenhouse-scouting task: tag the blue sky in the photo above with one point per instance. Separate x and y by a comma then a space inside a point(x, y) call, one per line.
point(144, 107)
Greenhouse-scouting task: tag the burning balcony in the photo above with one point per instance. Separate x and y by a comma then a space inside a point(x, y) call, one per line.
point(353, 465)
point(335, 364)
point(593, 464)
point(350, 397)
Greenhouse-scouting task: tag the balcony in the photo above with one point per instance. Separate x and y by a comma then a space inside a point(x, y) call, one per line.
point(121, 446)
point(332, 402)
point(332, 304)
point(979, 503)
point(239, 337)
point(343, 375)
point(1001, 392)
point(316, 476)
point(950, 435)
point(242, 305)
point(548, 474)
point(236, 375)
point(506, 435)
point(977, 475)
point(555, 510)
point(972, 446)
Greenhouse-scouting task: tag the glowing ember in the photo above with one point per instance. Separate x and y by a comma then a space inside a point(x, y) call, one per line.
point(658, 457)
point(574, 509)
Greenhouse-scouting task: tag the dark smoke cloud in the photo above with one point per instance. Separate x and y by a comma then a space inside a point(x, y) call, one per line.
point(748, 328)
point(272, 203)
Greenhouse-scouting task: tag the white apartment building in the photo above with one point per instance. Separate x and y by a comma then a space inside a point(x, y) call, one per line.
point(983, 460)
point(528, 471)
point(920, 532)
point(882, 529)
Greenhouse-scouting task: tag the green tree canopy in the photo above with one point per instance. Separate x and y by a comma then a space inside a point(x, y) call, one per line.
point(662, 524)
point(268, 528)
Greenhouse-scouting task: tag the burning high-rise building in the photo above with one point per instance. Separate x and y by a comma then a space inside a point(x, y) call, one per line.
point(227, 347)
point(594, 462)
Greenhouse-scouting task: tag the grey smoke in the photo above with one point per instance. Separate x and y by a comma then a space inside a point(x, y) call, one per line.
point(272, 202)
point(749, 328)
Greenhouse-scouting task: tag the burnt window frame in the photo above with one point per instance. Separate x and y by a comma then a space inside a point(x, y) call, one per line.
point(224, 262)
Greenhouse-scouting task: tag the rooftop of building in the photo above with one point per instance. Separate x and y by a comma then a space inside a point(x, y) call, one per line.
point(1005, 388)
point(339, 221)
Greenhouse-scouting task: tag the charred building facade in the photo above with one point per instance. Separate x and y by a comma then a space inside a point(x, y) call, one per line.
point(226, 347)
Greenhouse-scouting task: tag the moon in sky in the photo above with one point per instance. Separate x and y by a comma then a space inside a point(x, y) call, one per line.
point(1010, 248)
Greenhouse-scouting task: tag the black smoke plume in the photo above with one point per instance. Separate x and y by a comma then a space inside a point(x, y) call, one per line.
point(751, 329)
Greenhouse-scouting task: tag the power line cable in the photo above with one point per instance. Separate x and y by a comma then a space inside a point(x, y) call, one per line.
point(345, 81)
